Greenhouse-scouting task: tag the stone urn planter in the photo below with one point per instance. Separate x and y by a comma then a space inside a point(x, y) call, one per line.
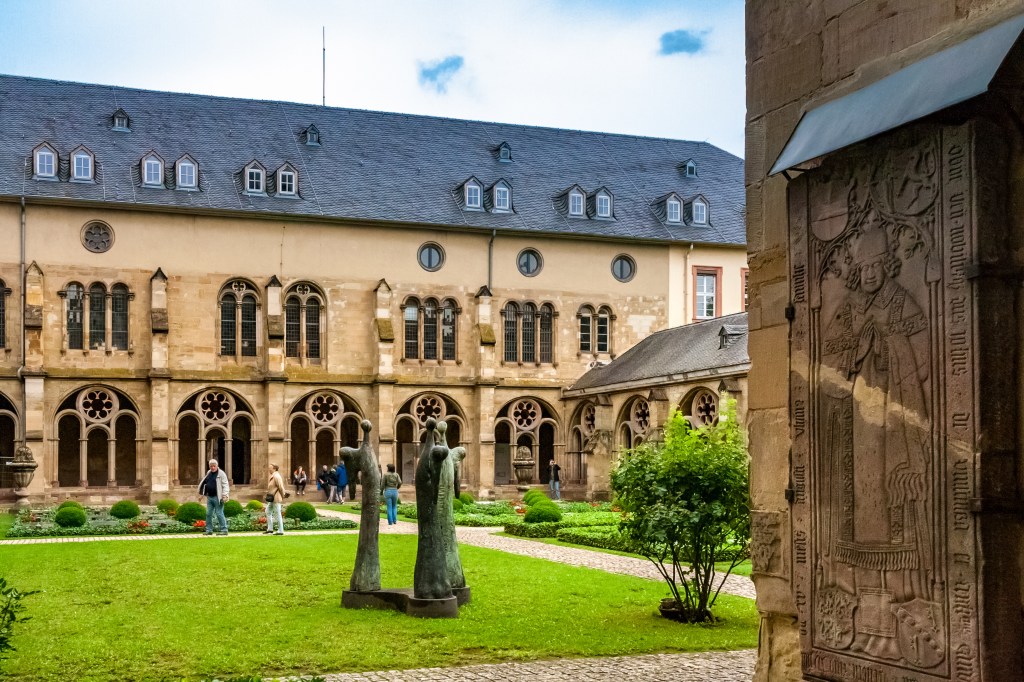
point(23, 467)
point(523, 464)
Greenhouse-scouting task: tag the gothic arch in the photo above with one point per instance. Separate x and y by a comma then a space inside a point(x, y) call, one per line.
point(96, 429)
point(10, 434)
point(525, 422)
point(410, 427)
point(700, 406)
point(634, 425)
point(215, 423)
point(319, 423)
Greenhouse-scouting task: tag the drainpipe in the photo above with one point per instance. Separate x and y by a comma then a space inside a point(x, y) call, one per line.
point(490, 258)
point(686, 279)
point(21, 369)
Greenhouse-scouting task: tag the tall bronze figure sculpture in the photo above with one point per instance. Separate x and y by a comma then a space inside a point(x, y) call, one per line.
point(450, 476)
point(430, 580)
point(366, 574)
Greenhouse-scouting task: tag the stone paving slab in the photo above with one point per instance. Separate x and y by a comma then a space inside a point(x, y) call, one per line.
point(716, 666)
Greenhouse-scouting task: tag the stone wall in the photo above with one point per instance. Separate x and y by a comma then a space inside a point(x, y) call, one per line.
point(799, 51)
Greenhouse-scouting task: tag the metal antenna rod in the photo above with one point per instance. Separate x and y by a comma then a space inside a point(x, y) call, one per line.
point(323, 68)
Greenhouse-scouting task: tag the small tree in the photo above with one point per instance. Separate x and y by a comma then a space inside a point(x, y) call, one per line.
point(10, 608)
point(686, 506)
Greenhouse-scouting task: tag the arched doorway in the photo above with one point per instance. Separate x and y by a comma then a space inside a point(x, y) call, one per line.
point(525, 423)
point(215, 424)
point(410, 428)
point(319, 425)
point(96, 433)
point(8, 441)
point(581, 434)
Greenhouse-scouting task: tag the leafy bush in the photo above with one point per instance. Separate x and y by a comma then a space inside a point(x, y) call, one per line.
point(543, 512)
point(534, 496)
point(190, 512)
point(70, 517)
point(532, 530)
point(407, 510)
point(301, 511)
point(125, 509)
point(232, 508)
point(688, 497)
point(167, 506)
point(486, 520)
point(591, 519)
point(576, 507)
point(602, 537)
point(254, 505)
point(466, 498)
point(70, 503)
point(10, 610)
point(456, 504)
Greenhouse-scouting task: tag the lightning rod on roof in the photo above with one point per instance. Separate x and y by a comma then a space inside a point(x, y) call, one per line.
point(323, 66)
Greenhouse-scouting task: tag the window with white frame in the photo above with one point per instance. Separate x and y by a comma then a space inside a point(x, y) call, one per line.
point(706, 295)
point(186, 174)
point(575, 203)
point(672, 210)
point(700, 213)
point(604, 206)
point(153, 171)
point(254, 179)
point(46, 163)
point(121, 121)
point(472, 195)
point(691, 169)
point(286, 182)
point(81, 166)
point(501, 198)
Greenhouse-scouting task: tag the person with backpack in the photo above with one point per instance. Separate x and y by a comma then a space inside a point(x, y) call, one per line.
point(342, 473)
point(215, 488)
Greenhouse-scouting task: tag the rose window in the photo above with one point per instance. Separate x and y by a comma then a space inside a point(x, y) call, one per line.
point(97, 404)
point(97, 237)
point(589, 420)
point(325, 408)
point(641, 416)
point(705, 408)
point(526, 414)
point(428, 406)
point(216, 406)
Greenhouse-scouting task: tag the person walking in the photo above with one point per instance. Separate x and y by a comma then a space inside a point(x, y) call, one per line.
point(275, 496)
point(299, 479)
point(321, 481)
point(342, 474)
point(555, 481)
point(389, 485)
point(215, 488)
point(332, 486)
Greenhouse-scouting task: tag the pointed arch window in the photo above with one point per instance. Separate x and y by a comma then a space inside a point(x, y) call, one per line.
point(430, 329)
point(82, 165)
point(529, 336)
point(586, 318)
point(511, 314)
point(449, 329)
point(187, 173)
point(547, 320)
point(97, 316)
point(411, 315)
point(152, 170)
point(45, 161)
point(529, 332)
point(119, 297)
point(239, 320)
point(74, 306)
point(302, 311)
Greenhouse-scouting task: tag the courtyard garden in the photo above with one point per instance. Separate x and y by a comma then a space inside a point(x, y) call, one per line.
point(193, 609)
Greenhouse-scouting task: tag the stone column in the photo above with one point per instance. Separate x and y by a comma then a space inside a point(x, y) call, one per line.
point(111, 462)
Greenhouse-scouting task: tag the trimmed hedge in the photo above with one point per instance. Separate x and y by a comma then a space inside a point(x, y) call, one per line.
point(489, 508)
point(543, 513)
point(466, 498)
point(125, 509)
point(301, 511)
point(232, 508)
point(457, 504)
point(190, 512)
point(533, 496)
point(602, 537)
point(70, 503)
point(591, 519)
point(167, 506)
point(70, 517)
point(254, 505)
point(532, 530)
point(486, 520)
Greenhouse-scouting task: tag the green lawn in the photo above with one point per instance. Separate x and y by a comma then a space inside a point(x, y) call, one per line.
point(741, 569)
point(6, 521)
point(189, 608)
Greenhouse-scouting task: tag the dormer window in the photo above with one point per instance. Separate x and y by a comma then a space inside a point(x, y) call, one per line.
point(700, 213)
point(82, 165)
point(501, 201)
point(121, 121)
point(499, 197)
point(504, 152)
point(287, 181)
point(312, 136)
point(255, 176)
point(473, 196)
point(604, 206)
point(188, 173)
point(690, 169)
point(45, 162)
point(672, 212)
point(152, 171)
point(575, 203)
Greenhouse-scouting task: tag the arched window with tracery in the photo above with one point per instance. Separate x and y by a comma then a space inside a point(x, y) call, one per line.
point(635, 423)
point(303, 310)
point(119, 297)
point(215, 424)
point(97, 439)
point(529, 333)
point(525, 425)
point(700, 407)
point(581, 434)
point(97, 316)
point(239, 328)
point(4, 293)
point(410, 427)
point(319, 424)
point(74, 307)
point(595, 329)
point(430, 329)
point(9, 436)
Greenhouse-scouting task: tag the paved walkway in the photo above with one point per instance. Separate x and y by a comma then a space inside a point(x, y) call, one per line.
point(720, 666)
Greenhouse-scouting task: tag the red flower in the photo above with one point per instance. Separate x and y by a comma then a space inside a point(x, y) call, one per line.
point(199, 524)
point(261, 520)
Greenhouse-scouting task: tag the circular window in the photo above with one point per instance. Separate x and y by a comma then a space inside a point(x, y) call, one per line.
point(529, 262)
point(97, 237)
point(623, 268)
point(431, 257)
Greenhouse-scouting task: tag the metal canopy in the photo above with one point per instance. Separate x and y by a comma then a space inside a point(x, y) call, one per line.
point(946, 78)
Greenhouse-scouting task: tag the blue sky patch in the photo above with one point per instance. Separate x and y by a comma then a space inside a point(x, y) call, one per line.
point(437, 74)
point(682, 41)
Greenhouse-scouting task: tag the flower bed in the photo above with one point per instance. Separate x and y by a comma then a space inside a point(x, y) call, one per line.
point(39, 523)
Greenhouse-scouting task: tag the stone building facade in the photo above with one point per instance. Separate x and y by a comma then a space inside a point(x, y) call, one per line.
point(189, 277)
point(884, 233)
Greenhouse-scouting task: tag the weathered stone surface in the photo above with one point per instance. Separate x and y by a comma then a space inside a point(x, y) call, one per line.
point(366, 574)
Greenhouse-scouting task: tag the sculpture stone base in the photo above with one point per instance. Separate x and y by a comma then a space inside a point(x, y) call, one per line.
point(404, 601)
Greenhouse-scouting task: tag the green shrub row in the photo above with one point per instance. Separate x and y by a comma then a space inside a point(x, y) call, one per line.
point(407, 510)
point(591, 519)
point(489, 508)
point(242, 522)
point(532, 530)
point(533, 496)
point(602, 537)
point(486, 521)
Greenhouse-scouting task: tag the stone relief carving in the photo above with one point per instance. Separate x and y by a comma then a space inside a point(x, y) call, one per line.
point(766, 543)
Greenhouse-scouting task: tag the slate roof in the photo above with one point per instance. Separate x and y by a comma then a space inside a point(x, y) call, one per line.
point(371, 165)
point(675, 352)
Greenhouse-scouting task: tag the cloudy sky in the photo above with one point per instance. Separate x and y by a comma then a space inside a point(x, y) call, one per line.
point(669, 68)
